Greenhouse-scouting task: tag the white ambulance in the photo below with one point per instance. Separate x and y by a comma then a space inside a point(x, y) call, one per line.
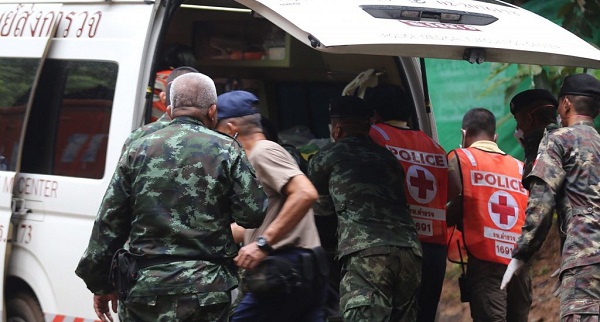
point(76, 77)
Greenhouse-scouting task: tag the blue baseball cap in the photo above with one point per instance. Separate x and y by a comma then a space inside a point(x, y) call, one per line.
point(236, 104)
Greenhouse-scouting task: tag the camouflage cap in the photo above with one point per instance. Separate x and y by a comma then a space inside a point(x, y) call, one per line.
point(580, 85)
point(350, 107)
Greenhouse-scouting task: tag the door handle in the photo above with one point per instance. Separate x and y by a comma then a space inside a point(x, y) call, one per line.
point(18, 207)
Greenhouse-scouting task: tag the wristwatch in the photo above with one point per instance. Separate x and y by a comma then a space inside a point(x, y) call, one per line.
point(263, 244)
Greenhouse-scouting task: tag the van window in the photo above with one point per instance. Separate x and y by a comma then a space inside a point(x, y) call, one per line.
point(67, 133)
point(16, 77)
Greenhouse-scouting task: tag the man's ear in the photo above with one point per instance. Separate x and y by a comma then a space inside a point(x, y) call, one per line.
point(530, 120)
point(163, 97)
point(213, 113)
point(337, 132)
point(232, 128)
point(568, 105)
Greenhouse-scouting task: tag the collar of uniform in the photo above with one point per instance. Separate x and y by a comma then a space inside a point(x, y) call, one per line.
point(488, 146)
point(164, 118)
point(586, 122)
point(187, 120)
point(397, 123)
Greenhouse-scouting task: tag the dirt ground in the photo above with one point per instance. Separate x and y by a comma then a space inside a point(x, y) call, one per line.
point(545, 305)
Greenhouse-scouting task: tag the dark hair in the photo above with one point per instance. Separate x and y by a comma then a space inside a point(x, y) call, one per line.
point(390, 101)
point(269, 129)
point(179, 55)
point(180, 71)
point(350, 107)
point(174, 74)
point(479, 121)
point(586, 105)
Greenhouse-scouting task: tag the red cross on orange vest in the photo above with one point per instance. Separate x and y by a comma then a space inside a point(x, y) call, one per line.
point(421, 182)
point(503, 209)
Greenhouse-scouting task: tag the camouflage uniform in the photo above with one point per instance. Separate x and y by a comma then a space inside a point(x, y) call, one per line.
point(566, 175)
point(175, 193)
point(378, 247)
point(149, 128)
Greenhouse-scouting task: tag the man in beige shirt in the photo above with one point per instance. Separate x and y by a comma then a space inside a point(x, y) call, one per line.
point(288, 231)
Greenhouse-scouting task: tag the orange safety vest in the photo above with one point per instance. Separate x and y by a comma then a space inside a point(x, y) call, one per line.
point(160, 85)
point(494, 202)
point(426, 168)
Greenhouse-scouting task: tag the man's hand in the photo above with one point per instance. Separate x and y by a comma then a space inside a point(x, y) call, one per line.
point(101, 306)
point(249, 256)
point(513, 267)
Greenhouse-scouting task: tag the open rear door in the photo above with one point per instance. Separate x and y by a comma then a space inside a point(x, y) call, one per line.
point(24, 48)
point(476, 31)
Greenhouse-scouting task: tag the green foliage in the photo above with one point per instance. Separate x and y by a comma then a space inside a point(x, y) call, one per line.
point(580, 17)
point(87, 75)
point(16, 76)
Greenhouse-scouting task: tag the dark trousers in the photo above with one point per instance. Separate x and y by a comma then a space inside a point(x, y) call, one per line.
point(432, 278)
point(304, 304)
point(491, 304)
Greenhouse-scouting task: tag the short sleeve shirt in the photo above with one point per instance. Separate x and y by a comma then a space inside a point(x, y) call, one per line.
point(275, 167)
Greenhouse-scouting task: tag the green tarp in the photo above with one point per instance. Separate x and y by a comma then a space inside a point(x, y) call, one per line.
point(457, 86)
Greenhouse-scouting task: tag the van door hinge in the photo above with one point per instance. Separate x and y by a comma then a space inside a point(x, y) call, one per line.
point(474, 55)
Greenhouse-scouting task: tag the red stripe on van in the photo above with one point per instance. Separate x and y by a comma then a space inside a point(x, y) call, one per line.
point(59, 318)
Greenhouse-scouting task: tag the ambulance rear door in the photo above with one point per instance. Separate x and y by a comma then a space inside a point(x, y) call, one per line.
point(24, 49)
point(475, 31)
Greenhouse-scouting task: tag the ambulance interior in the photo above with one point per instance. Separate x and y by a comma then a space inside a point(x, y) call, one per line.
point(242, 50)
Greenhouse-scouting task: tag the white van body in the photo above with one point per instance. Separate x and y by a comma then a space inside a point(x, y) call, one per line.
point(76, 78)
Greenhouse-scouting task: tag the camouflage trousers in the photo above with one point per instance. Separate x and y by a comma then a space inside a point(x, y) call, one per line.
point(209, 307)
point(380, 284)
point(580, 294)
